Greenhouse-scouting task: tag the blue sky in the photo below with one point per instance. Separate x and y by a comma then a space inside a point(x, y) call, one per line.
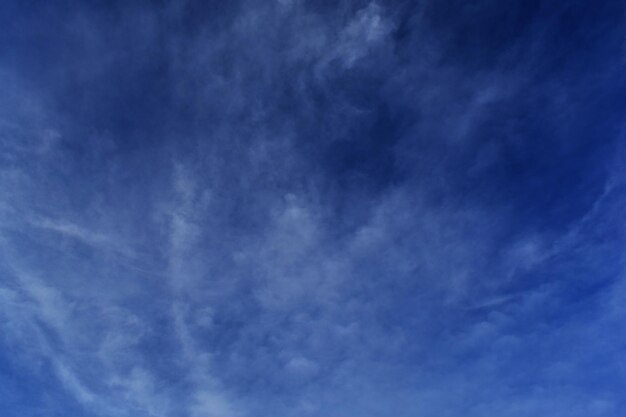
point(301, 208)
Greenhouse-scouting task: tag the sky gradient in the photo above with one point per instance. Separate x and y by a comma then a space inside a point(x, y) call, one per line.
point(302, 208)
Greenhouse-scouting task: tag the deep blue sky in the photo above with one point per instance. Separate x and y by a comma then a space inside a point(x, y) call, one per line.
point(300, 208)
